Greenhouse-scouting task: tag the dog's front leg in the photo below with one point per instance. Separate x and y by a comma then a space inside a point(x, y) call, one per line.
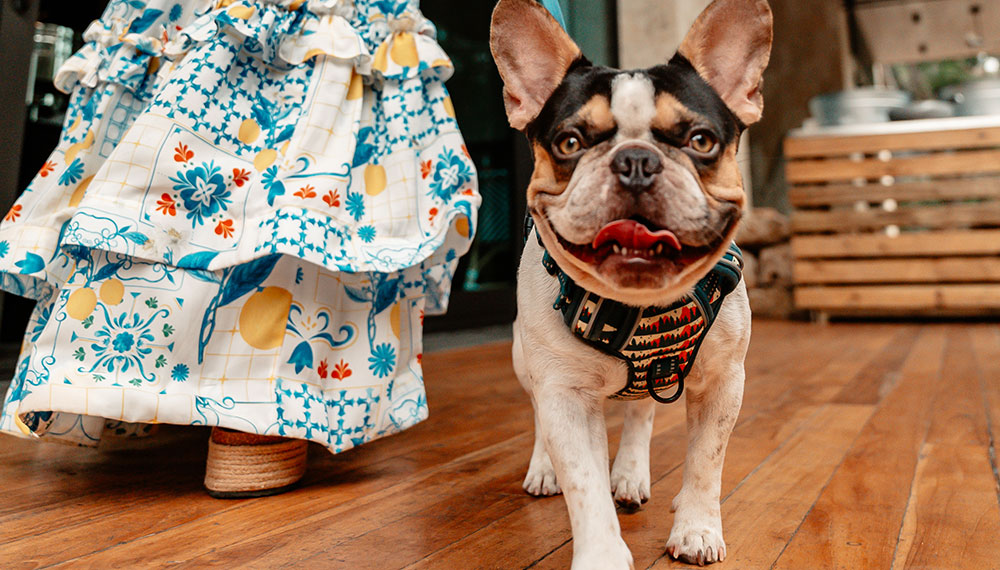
point(713, 403)
point(630, 474)
point(572, 424)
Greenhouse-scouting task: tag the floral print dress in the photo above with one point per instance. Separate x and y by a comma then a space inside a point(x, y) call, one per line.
point(251, 209)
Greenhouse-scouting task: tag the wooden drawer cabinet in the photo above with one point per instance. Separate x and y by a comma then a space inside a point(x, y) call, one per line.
point(900, 220)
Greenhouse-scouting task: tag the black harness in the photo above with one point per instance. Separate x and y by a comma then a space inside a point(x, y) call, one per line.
point(659, 344)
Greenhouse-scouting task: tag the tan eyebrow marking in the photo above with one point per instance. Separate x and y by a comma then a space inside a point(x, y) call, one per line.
point(669, 112)
point(597, 114)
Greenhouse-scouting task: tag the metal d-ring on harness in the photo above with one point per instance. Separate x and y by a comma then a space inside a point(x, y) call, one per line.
point(658, 344)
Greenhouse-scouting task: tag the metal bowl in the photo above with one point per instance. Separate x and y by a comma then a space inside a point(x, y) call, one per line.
point(857, 106)
point(977, 97)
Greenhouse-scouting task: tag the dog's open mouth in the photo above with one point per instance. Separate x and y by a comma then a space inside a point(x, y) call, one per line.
point(635, 240)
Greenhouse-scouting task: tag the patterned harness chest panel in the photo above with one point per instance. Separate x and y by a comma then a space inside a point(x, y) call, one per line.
point(659, 344)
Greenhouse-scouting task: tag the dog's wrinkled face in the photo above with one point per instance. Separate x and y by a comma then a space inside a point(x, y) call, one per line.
point(636, 191)
point(636, 185)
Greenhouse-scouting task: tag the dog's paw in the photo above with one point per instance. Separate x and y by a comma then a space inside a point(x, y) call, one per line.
point(541, 480)
point(631, 490)
point(696, 542)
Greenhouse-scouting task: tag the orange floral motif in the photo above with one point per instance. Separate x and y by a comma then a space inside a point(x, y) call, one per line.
point(167, 205)
point(224, 228)
point(332, 198)
point(433, 214)
point(306, 192)
point(13, 213)
point(46, 168)
point(321, 369)
point(420, 358)
point(468, 192)
point(466, 151)
point(425, 169)
point(183, 154)
point(341, 370)
point(240, 176)
point(421, 317)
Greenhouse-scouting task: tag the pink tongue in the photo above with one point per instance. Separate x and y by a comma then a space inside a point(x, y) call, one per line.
point(633, 235)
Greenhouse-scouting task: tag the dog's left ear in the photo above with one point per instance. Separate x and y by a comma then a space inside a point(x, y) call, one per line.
point(729, 45)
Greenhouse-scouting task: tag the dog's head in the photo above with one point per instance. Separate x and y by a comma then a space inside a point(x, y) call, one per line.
point(636, 191)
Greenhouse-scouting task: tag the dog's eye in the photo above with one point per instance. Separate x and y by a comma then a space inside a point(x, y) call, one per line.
point(568, 145)
point(703, 142)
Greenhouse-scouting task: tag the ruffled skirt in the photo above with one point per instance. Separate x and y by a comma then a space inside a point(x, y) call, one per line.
point(250, 210)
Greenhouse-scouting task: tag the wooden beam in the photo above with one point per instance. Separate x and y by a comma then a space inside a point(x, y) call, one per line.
point(935, 164)
point(945, 216)
point(914, 297)
point(818, 146)
point(925, 190)
point(965, 242)
point(930, 270)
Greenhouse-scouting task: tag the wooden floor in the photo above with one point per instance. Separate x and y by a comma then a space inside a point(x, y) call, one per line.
point(859, 446)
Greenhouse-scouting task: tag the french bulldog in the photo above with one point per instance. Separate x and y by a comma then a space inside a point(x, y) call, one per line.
point(635, 197)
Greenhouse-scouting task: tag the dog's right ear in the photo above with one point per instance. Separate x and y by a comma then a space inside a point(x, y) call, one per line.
point(532, 52)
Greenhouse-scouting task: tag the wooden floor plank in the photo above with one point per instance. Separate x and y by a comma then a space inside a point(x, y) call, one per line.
point(986, 344)
point(781, 491)
point(867, 496)
point(949, 522)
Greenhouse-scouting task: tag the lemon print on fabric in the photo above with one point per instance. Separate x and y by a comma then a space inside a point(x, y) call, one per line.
point(249, 131)
point(81, 303)
point(313, 53)
point(380, 63)
point(73, 150)
point(394, 319)
point(264, 316)
point(241, 12)
point(77, 196)
point(357, 87)
point(404, 50)
point(264, 159)
point(374, 179)
point(112, 292)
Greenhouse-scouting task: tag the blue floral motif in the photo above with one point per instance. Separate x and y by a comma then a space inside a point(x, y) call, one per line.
point(366, 233)
point(450, 173)
point(72, 174)
point(4, 248)
point(122, 343)
point(273, 186)
point(179, 373)
point(32, 263)
point(355, 205)
point(176, 12)
point(382, 360)
point(203, 190)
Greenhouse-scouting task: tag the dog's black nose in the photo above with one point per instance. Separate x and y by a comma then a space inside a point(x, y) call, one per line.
point(636, 167)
